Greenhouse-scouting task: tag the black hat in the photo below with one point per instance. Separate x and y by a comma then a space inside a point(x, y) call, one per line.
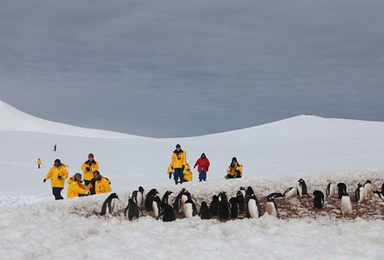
point(57, 161)
point(178, 146)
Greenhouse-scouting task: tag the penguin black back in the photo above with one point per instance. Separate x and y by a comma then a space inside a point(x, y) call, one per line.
point(166, 197)
point(167, 214)
point(234, 207)
point(342, 189)
point(241, 201)
point(249, 192)
point(382, 189)
point(275, 195)
point(303, 187)
point(204, 213)
point(357, 192)
point(318, 200)
point(214, 206)
point(224, 210)
point(177, 202)
point(149, 199)
point(108, 203)
point(132, 210)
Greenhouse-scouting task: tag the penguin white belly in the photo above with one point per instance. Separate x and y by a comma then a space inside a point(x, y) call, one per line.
point(362, 194)
point(188, 210)
point(332, 190)
point(243, 192)
point(292, 193)
point(252, 208)
point(346, 205)
point(155, 209)
point(300, 190)
point(139, 199)
point(270, 209)
point(368, 190)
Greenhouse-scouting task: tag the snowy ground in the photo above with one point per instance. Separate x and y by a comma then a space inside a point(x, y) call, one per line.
point(275, 156)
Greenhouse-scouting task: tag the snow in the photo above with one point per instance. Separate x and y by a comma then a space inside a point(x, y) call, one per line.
point(275, 156)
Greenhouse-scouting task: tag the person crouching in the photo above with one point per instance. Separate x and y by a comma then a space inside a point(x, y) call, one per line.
point(76, 187)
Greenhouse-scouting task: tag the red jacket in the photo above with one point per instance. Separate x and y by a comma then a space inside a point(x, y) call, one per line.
point(203, 164)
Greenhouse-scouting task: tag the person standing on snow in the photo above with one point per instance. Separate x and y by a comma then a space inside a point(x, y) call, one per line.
point(54, 147)
point(89, 167)
point(38, 163)
point(179, 159)
point(203, 166)
point(100, 184)
point(76, 188)
point(58, 173)
point(235, 170)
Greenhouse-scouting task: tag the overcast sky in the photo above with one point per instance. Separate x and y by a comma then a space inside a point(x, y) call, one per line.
point(181, 68)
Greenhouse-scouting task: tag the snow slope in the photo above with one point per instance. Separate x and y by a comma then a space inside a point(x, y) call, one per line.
point(32, 226)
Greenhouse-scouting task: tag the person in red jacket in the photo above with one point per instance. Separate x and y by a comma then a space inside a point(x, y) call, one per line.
point(203, 166)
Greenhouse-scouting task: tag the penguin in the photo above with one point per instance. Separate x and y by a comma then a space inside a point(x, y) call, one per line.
point(359, 193)
point(382, 189)
point(318, 200)
point(341, 188)
point(166, 197)
point(224, 210)
point(331, 190)
point(110, 203)
point(132, 211)
point(253, 207)
point(378, 195)
point(241, 200)
point(189, 208)
point(186, 195)
point(167, 214)
point(368, 189)
point(249, 192)
point(177, 202)
point(138, 197)
point(271, 207)
point(204, 213)
point(301, 188)
point(243, 191)
point(156, 206)
point(234, 207)
point(275, 195)
point(149, 199)
point(214, 206)
point(290, 192)
point(345, 203)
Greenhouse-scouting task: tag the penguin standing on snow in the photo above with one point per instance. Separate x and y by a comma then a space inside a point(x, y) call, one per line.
point(214, 206)
point(359, 193)
point(149, 199)
point(109, 204)
point(249, 192)
point(132, 211)
point(156, 206)
point(234, 207)
point(253, 207)
point(290, 192)
point(241, 200)
point(189, 208)
point(177, 202)
point(318, 200)
point(331, 190)
point(345, 204)
point(271, 207)
point(342, 189)
point(224, 210)
point(167, 214)
point(243, 191)
point(368, 189)
point(166, 197)
point(204, 213)
point(138, 197)
point(301, 188)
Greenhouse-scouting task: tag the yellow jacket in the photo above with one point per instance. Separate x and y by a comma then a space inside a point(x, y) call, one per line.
point(232, 170)
point(57, 176)
point(76, 188)
point(38, 162)
point(88, 175)
point(103, 186)
point(187, 173)
point(178, 160)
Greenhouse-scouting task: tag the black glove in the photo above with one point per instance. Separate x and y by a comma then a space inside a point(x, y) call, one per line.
point(172, 167)
point(44, 180)
point(183, 167)
point(87, 169)
point(170, 175)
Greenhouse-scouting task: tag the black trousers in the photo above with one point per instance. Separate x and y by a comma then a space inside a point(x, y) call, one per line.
point(57, 193)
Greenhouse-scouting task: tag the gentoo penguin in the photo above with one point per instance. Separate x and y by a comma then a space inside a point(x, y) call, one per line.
point(109, 204)
point(149, 199)
point(378, 195)
point(241, 200)
point(345, 204)
point(243, 191)
point(204, 213)
point(214, 206)
point(368, 189)
point(290, 192)
point(166, 197)
point(318, 200)
point(167, 214)
point(224, 210)
point(234, 207)
point(359, 193)
point(249, 192)
point(301, 188)
point(253, 207)
point(189, 208)
point(132, 211)
point(156, 206)
point(275, 195)
point(138, 197)
point(331, 190)
point(271, 207)
point(341, 189)
point(177, 202)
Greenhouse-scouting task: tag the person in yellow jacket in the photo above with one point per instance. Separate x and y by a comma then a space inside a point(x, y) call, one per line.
point(170, 171)
point(38, 163)
point(100, 184)
point(235, 170)
point(187, 173)
point(179, 159)
point(76, 188)
point(58, 173)
point(89, 167)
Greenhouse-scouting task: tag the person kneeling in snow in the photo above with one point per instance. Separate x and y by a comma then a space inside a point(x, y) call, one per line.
point(187, 174)
point(58, 173)
point(76, 188)
point(235, 170)
point(99, 184)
